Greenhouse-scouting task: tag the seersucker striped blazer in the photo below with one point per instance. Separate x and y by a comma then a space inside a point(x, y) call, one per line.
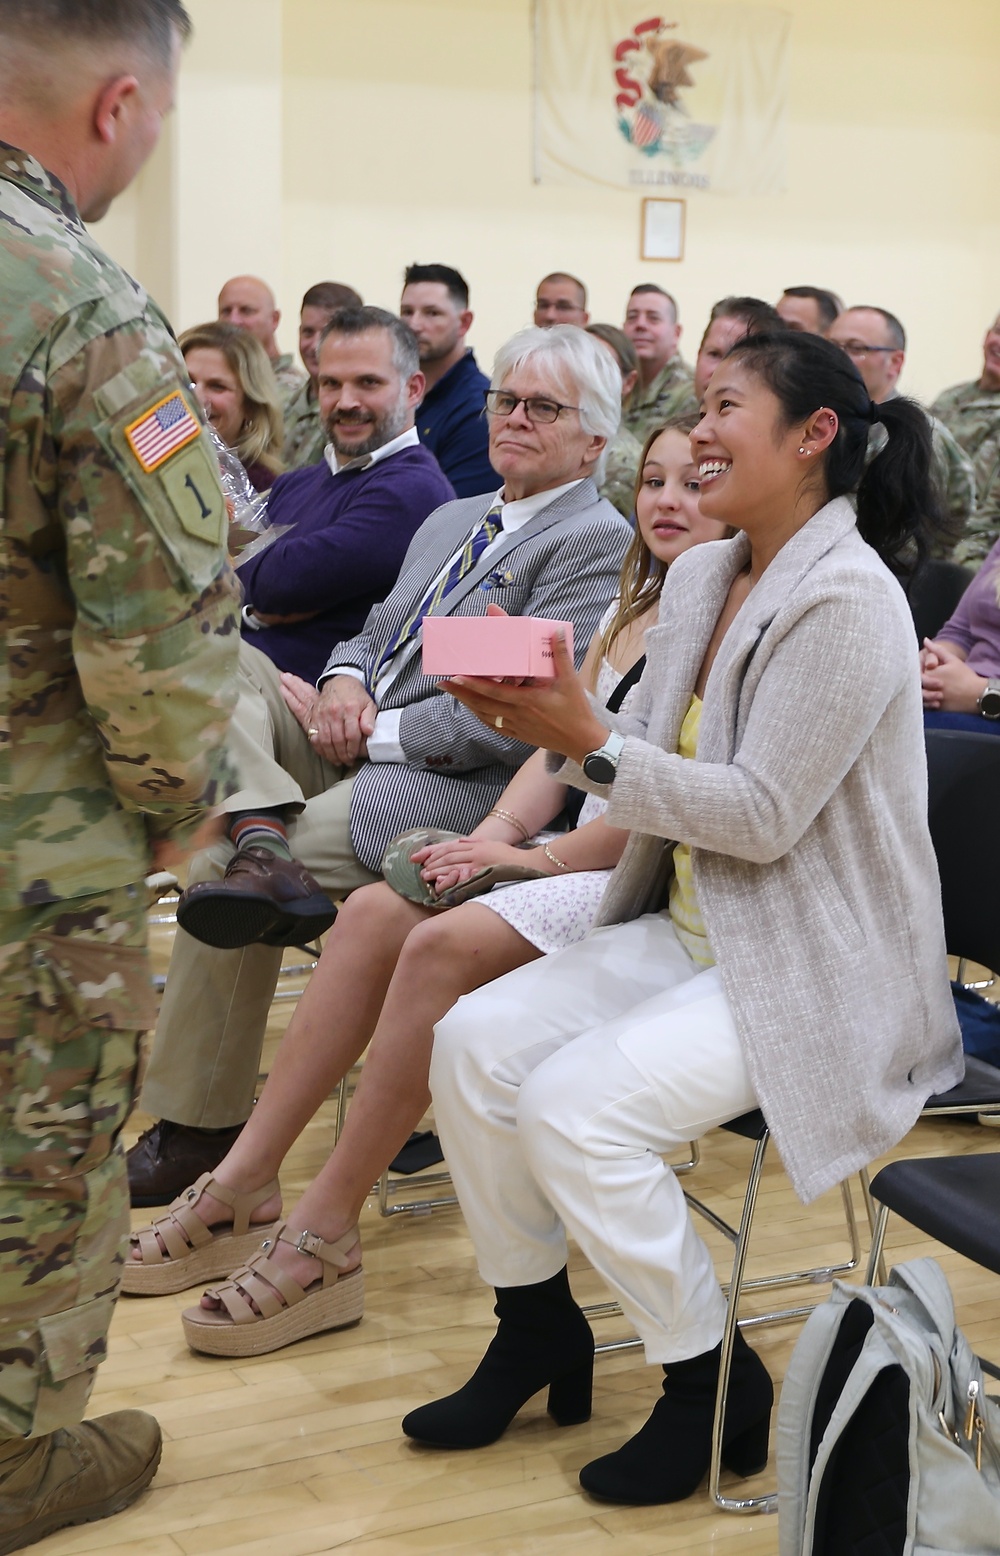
point(565, 564)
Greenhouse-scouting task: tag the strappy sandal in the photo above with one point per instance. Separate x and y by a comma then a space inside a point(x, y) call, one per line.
point(192, 1252)
point(265, 1308)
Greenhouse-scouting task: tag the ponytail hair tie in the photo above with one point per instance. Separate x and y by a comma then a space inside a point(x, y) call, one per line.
point(873, 412)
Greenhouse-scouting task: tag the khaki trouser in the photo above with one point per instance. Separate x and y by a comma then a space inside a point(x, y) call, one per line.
point(75, 994)
point(206, 1053)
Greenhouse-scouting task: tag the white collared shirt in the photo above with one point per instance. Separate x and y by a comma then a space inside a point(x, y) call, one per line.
point(383, 742)
point(405, 439)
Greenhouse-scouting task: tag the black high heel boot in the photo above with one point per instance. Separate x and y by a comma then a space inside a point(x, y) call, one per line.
point(667, 1458)
point(542, 1339)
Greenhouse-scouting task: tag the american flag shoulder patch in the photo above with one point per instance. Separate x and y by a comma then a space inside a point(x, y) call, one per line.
point(161, 431)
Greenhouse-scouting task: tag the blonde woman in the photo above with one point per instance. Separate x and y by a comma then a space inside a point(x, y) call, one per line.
point(388, 972)
point(234, 381)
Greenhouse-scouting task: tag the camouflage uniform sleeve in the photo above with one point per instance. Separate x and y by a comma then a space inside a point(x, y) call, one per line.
point(156, 634)
point(957, 480)
point(984, 527)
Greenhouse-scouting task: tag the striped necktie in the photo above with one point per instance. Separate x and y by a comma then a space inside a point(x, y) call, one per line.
point(482, 536)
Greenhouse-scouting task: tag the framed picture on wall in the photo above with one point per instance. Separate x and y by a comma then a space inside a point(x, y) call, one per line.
point(662, 235)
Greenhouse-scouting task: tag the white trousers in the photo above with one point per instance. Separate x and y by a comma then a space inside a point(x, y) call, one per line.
point(557, 1089)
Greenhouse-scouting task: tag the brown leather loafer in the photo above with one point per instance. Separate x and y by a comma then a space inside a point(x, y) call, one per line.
point(260, 897)
point(170, 1156)
point(75, 1475)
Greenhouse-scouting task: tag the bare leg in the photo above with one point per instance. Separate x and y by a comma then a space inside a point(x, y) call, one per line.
point(443, 958)
point(332, 1023)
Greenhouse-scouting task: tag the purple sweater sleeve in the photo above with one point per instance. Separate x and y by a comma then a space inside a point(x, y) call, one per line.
point(330, 557)
point(975, 622)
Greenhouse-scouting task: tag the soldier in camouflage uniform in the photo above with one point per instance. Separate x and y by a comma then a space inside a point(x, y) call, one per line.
point(248, 302)
point(305, 435)
point(117, 662)
point(875, 341)
point(664, 390)
point(971, 412)
point(620, 471)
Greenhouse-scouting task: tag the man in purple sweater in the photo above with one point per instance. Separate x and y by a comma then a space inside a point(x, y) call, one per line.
point(353, 515)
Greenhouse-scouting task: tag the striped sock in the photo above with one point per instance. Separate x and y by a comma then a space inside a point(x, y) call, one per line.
point(260, 829)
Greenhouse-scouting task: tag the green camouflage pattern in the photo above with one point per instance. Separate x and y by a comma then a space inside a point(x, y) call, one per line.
point(956, 478)
point(670, 394)
point(120, 624)
point(305, 435)
point(289, 378)
point(75, 994)
point(972, 416)
point(620, 471)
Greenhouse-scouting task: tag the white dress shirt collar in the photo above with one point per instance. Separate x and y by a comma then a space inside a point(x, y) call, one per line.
point(514, 515)
point(405, 439)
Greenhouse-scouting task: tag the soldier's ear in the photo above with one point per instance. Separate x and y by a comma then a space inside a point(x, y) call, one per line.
point(113, 106)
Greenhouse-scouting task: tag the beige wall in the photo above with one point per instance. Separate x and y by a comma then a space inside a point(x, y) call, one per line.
point(335, 139)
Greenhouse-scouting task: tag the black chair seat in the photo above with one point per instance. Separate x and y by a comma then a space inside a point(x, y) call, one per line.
point(979, 1089)
point(750, 1126)
point(953, 1199)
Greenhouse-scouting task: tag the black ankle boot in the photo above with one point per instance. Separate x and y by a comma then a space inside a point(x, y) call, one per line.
point(667, 1458)
point(543, 1339)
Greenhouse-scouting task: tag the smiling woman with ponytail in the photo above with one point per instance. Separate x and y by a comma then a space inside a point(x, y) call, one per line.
point(771, 938)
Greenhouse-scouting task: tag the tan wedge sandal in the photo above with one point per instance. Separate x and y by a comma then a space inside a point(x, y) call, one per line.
point(265, 1308)
point(178, 1250)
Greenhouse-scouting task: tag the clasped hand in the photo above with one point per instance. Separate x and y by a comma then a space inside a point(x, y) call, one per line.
point(947, 683)
point(445, 865)
point(337, 718)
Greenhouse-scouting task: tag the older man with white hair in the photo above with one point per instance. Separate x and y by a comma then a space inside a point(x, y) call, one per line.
point(377, 748)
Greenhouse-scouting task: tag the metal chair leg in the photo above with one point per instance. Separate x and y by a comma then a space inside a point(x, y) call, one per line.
point(767, 1503)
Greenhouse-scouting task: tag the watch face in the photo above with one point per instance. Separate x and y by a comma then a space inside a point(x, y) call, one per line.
point(598, 768)
point(989, 703)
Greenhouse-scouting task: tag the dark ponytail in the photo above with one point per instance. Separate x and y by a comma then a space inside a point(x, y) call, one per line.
point(897, 496)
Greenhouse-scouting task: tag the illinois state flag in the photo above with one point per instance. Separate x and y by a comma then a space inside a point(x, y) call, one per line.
point(688, 96)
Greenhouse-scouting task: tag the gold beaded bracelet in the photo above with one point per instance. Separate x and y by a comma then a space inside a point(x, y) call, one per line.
point(559, 863)
point(511, 820)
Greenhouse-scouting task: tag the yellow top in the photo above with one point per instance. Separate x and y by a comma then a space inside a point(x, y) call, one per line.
point(684, 911)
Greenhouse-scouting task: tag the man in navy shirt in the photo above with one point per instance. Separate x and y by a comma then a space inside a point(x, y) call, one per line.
point(451, 418)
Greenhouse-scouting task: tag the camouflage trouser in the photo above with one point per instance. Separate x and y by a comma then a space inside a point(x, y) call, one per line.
point(75, 995)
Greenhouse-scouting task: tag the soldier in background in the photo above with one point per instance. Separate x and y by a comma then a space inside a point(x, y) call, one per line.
point(875, 341)
point(117, 660)
point(305, 435)
point(971, 412)
point(808, 309)
point(664, 389)
point(248, 302)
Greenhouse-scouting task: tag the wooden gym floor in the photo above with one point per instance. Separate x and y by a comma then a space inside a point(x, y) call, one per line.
point(300, 1452)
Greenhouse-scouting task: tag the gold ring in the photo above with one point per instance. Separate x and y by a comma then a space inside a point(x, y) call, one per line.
point(312, 731)
point(498, 721)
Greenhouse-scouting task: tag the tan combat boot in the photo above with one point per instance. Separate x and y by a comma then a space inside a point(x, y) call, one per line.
point(74, 1475)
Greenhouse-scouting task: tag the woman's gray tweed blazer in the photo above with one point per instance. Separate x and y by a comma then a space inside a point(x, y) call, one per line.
point(806, 809)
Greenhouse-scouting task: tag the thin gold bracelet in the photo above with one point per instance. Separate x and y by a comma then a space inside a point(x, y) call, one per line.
point(559, 863)
point(511, 820)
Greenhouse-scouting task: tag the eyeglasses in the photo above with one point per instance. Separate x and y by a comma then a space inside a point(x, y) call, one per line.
point(500, 403)
point(858, 349)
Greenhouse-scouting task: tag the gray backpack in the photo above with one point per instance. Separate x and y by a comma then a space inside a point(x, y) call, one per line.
point(887, 1442)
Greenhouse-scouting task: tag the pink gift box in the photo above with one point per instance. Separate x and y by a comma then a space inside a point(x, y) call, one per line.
point(491, 645)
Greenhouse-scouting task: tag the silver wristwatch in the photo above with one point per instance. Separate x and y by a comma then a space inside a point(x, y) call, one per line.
point(601, 765)
point(989, 699)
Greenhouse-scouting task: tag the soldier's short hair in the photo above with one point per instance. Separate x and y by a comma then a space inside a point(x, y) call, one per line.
point(897, 334)
point(458, 287)
point(331, 295)
point(758, 316)
point(828, 303)
point(564, 275)
point(358, 321)
point(152, 24)
point(651, 286)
